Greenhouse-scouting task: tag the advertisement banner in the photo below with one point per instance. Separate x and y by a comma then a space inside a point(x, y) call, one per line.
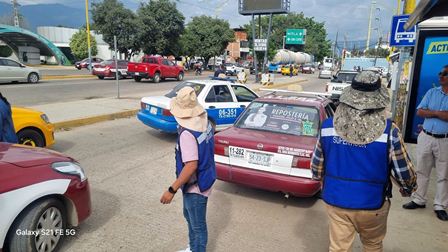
point(431, 57)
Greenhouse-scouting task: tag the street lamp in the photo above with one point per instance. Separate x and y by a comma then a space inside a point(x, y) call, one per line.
point(88, 35)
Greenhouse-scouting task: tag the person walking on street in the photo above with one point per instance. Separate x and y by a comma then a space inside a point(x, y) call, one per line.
point(432, 148)
point(357, 153)
point(195, 165)
point(291, 70)
point(8, 133)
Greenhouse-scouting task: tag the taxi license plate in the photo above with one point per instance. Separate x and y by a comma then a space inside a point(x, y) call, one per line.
point(153, 110)
point(259, 158)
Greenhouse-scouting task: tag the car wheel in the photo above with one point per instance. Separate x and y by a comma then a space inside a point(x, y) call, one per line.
point(79, 68)
point(33, 78)
point(180, 76)
point(101, 77)
point(31, 137)
point(48, 217)
point(137, 79)
point(156, 78)
point(119, 76)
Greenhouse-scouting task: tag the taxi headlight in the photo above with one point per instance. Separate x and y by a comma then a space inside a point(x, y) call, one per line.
point(70, 168)
point(45, 118)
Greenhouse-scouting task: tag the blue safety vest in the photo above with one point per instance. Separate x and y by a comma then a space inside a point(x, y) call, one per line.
point(206, 171)
point(356, 176)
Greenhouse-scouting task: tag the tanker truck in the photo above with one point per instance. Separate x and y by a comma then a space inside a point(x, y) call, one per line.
point(286, 57)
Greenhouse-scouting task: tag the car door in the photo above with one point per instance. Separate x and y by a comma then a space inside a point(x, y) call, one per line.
point(166, 69)
point(221, 106)
point(17, 72)
point(5, 71)
point(243, 96)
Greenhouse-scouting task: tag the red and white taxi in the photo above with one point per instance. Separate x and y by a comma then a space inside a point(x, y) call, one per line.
point(271, 144)
point(42, 194)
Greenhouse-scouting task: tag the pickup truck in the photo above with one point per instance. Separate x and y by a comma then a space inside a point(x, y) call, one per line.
point(156, 68)
point(341, 80)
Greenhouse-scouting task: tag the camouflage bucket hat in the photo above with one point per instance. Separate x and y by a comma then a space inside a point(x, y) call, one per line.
point(366, 92)
point(360, 117)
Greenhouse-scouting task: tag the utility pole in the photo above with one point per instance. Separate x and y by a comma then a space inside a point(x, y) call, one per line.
point(334, 48)
point(372, 6)
point(15, 5)
point(88, 36)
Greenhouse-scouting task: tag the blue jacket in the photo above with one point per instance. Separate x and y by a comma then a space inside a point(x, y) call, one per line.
point(7, 132)
point(356, 176)
point(206, 171)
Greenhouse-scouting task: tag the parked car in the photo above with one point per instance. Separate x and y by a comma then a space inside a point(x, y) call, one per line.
point(325, 73)
point(156, 68)
point(32, 127)
point(308, 68)
point(43, 194)
point(11, 71)
point(85, 63)
point(106, 69)
point(285, 70)
point(223, 100)
point(271, 143)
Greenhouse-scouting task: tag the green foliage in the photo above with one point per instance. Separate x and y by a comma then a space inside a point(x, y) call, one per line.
point(111, 18)
point(380, 52)
point(78, 44)
point(5, 51)
point(206, 37)
point(315, 43)
point(160, 25)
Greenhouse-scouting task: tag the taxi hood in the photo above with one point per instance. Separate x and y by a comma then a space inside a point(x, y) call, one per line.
point(26, 156)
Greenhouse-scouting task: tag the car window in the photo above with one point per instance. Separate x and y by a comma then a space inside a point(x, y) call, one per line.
point(219, 93)
point(346, 77)
point(12, 63)
point(170, 63)
point(280, 118)
point(165, 62)
point(196, 86)
point(329, 111)
point(2, 62)
point(243, 94)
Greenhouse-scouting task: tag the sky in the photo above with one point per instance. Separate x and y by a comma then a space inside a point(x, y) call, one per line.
point(348, 17)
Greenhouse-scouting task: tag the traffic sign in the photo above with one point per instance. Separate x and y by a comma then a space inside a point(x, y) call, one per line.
point(400, 36)
point(260, 44)
point(295, 36)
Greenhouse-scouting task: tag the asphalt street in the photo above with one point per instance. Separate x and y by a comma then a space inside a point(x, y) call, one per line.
point(130, 165)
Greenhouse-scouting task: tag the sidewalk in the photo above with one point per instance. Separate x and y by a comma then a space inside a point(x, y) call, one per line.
point(84, 112)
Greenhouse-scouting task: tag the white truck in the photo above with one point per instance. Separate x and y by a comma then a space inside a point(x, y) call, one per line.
point(341, 80)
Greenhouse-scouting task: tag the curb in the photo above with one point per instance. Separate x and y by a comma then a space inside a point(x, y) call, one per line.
point(279, 85)
point(62, 77)
point(94, 119)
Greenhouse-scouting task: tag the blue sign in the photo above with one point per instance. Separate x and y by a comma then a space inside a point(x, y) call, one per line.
point(400, 36)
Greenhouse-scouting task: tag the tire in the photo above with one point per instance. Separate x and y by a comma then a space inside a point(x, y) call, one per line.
point(33, 218)
point(31, 137)
point(180, 76)
point(33, 78)
point(137, 79)
point(101, 77)
point(156, 78)
point(119, 76)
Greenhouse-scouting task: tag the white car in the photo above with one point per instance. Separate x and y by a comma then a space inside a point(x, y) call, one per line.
point(11, 70)
point(224, 101)
point(233, 69)
point(325, 73)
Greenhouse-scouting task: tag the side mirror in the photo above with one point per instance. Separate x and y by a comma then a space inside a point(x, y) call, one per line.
point(22, 66)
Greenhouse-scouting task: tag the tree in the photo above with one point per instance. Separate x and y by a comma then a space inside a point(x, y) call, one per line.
point(160, 25)
point(111, 18)
point(315, 40)
point(206, 37)
point(78, 44)
point(379, 52)
point(5, 51)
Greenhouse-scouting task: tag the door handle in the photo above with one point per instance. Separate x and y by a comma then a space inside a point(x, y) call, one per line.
point(211, 107)
point(242, 106)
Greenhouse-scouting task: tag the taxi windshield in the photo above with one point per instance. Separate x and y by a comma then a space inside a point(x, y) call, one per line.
point(280, 118)
point(196, 86)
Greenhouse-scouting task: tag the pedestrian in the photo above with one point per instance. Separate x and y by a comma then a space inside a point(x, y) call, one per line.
point(195, 165)
point(432, 148)
point(220, 72)
point(357, 152)
point(8, 133)
point(291, 70)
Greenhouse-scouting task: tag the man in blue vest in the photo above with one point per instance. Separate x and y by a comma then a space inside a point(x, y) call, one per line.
point(195, 165)
point(358, 151)
point(7, 131)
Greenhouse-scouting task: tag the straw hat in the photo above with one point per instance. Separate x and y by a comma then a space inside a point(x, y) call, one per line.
point(360, 117)
point(187, 111)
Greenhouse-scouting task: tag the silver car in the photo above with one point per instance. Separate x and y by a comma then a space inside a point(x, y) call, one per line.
point(11, 70)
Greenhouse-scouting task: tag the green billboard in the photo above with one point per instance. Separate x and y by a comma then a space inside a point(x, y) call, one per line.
point(295, 36)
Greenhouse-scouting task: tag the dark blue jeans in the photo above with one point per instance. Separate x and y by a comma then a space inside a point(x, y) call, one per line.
point(195, 209)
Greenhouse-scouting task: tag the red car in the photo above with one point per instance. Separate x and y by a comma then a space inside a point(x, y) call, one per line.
point(42, 194)
point(156, 68)
point(106, 69)
point(270, 145)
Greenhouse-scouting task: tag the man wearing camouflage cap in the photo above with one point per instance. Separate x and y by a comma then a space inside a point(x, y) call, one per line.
point(357, 153)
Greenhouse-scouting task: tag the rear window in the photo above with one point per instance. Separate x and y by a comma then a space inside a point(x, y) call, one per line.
point(280, 118)
point(196, 86)
point(346, 77)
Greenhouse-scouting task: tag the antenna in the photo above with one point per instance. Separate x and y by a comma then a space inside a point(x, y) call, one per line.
point(15, 5)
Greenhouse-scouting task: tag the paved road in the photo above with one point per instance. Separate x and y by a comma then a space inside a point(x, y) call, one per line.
point(129, 171)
